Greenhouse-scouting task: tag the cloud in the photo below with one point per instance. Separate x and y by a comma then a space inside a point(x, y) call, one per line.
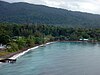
point(84, 6)
point(90, 6)
point(53, 3)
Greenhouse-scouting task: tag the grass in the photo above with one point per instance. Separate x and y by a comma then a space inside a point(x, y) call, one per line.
point(3, 53)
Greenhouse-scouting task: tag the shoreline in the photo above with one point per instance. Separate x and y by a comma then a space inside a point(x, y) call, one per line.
point(80, 41)
point(22, 52)
point(17, 55)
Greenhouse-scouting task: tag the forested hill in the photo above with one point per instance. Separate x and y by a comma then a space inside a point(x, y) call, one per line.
point(29, 13)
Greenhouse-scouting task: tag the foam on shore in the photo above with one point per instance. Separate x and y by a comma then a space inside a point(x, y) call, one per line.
point(22, 53)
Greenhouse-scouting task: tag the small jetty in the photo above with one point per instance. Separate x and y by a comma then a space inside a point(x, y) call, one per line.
point(4, 60)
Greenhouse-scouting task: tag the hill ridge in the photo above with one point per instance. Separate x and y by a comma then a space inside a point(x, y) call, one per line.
point(22, 12)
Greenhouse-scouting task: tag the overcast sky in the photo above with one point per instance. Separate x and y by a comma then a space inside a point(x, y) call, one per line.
point(90, 6)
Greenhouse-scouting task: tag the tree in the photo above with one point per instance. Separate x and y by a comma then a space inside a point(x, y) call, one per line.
point(21, 42)
point(4, 39)
point(30, 41)
point(13, 47)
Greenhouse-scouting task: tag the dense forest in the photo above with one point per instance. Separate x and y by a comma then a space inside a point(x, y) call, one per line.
point(24, 13)
point(13, 30)
point(17, 37)
point(9, 31)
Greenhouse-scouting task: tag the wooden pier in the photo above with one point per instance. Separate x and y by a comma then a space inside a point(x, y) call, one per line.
point(3, 60)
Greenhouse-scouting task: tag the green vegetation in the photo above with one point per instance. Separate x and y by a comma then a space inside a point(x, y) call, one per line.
point(20, 36)
point(3, 53)
point(13, 47)
point(24, 13)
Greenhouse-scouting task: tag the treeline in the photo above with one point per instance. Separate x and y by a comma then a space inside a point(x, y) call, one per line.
point(18, 36)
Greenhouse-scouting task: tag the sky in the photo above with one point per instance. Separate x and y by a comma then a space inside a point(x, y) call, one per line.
point(90, 6)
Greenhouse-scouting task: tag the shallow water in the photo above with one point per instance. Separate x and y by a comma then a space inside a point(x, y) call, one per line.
point(62, 58)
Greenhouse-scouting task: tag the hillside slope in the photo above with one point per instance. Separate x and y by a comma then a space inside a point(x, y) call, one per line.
point(29, 13)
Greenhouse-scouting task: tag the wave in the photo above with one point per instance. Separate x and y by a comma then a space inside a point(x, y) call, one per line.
point(22, 53)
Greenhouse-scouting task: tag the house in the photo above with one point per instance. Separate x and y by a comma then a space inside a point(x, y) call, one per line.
point(2, 46)
point(84, 39)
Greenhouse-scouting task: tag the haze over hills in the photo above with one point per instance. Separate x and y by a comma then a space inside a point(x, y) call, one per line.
point(39, 14)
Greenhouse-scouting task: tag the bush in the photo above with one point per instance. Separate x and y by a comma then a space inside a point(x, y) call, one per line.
point(13, 47)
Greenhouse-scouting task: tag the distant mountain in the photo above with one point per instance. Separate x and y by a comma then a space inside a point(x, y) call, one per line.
point(29, 13)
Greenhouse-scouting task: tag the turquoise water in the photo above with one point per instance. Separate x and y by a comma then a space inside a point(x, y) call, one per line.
point(62, 58)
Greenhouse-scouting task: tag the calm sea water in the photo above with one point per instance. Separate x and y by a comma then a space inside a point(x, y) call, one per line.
point(62, 58)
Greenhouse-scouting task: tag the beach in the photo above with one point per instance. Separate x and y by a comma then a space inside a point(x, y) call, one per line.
point(22, 53)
